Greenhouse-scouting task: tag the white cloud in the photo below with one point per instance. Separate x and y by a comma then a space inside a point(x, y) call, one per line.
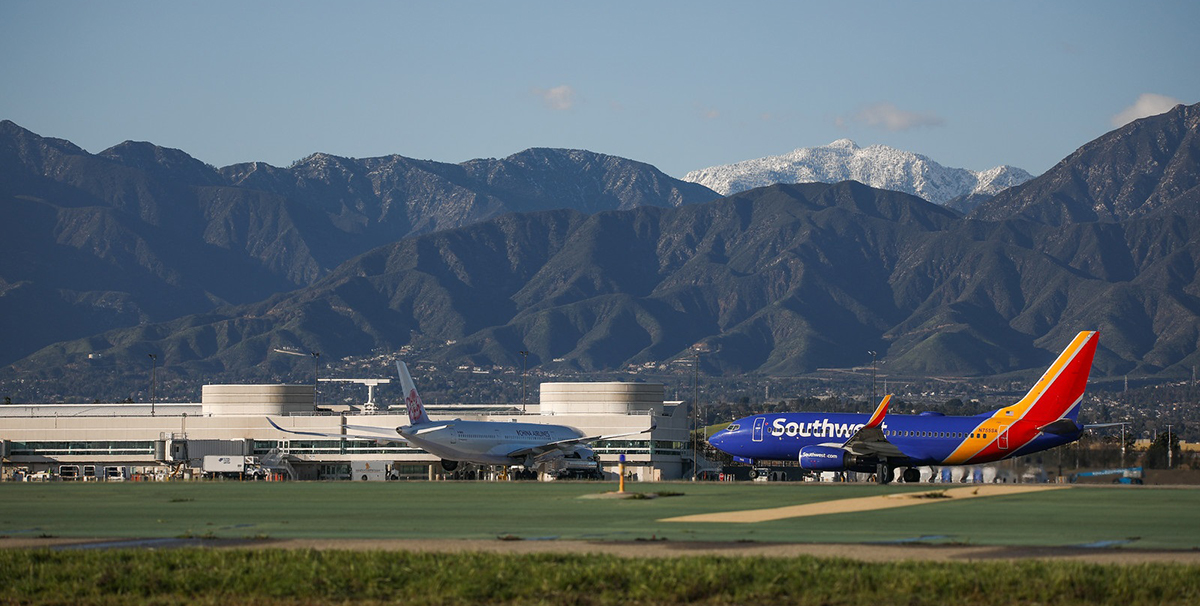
point(1147, 104)
point(888, 116)
point(559, 98)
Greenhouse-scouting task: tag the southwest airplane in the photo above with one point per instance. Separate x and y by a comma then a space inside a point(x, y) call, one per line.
point(879, 443)
point(482, 442)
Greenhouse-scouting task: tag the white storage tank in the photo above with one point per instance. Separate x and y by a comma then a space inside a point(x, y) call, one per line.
point(612, 397)
point(255, 400)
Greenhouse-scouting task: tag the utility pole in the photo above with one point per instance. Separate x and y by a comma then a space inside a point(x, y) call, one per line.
point(524, 360)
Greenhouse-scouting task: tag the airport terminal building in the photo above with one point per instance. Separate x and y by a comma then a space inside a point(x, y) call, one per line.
point(230, 424)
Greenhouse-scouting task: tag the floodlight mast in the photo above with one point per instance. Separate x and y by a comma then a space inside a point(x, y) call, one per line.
point(316, 356)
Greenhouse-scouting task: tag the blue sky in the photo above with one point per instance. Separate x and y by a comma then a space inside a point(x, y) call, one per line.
point(680, 85)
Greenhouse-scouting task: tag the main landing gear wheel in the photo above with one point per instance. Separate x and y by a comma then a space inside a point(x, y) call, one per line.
point(911, 475)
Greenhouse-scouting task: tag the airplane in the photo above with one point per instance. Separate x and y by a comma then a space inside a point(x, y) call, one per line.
point(880, 443)
point(482, 442)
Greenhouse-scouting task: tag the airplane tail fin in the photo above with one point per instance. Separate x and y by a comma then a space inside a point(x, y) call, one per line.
point(412, 399)
point(1058, 393)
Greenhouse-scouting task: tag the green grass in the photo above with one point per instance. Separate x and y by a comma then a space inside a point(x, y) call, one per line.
point(1145, 517)
point(198, 576)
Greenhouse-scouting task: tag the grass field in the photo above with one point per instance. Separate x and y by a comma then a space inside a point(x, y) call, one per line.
point(270, 577)
point(1131, 517)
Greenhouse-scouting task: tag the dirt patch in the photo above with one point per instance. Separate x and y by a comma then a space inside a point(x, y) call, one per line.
point(891, 501)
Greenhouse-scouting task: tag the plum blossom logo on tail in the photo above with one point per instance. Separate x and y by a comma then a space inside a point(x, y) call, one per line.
point(416, 409)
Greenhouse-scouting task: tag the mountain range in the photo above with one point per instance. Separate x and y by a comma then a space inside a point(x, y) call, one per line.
point(139, 233)
point(777, 280)
point(878, 166)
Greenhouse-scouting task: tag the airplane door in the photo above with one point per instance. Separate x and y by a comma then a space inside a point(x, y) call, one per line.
point(454, 436)
point(759, 424)
point(1003, 440)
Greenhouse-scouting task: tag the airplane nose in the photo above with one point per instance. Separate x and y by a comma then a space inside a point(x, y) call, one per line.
point(717, 439)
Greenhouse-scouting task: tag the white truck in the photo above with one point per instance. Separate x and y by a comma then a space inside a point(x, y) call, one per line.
point(227, 463)
point(369, 471)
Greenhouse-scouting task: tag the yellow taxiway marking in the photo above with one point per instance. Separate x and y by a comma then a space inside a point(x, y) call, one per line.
point(906, 499)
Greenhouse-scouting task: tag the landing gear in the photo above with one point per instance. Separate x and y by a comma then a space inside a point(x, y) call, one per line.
point(911, 475)
point(884, 473)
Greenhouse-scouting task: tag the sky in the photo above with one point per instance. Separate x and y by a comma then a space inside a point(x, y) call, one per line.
point(679, 85)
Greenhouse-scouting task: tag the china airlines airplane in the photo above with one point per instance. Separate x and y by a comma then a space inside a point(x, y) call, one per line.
point(879, 443)
point(483, 442)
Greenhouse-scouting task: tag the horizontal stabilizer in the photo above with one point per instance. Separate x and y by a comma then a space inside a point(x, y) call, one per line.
point(424, 430)
point(1102, 425)
point(1061, 427)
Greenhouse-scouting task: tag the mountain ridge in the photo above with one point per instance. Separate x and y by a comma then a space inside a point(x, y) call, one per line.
point(877, 165)
point(1146, 165)
point(776, 281)
point(140, 233)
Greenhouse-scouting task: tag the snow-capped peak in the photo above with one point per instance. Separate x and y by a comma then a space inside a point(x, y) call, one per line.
point(878, 166)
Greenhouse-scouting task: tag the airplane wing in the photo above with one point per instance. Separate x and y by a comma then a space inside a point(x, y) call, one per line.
point(869, 439)
point(541, 449)
point(361, 432)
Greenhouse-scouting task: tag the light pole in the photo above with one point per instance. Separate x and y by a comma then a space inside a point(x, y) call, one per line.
point(524, 360)
point(872, 377)
point(1170, 454)
point(696, 403)
point(316, 356)
point(1122, 445)
point(153, 380)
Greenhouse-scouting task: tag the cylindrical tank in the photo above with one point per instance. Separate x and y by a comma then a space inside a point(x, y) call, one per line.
point(610, 397)
point(254, 400)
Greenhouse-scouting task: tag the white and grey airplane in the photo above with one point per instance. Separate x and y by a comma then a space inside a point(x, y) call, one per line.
point(531, 445)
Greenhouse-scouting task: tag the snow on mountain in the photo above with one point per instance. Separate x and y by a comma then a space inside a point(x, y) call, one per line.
point(878, 166)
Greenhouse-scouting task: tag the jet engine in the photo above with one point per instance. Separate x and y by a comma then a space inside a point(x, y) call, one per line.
point(833, 458)
point(823, 458)
point(449, 465)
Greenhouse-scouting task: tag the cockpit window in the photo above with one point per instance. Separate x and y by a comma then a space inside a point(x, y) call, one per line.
point(733, 427)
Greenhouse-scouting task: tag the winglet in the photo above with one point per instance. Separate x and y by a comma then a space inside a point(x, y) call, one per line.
point(412, 399)
point(880, 412)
